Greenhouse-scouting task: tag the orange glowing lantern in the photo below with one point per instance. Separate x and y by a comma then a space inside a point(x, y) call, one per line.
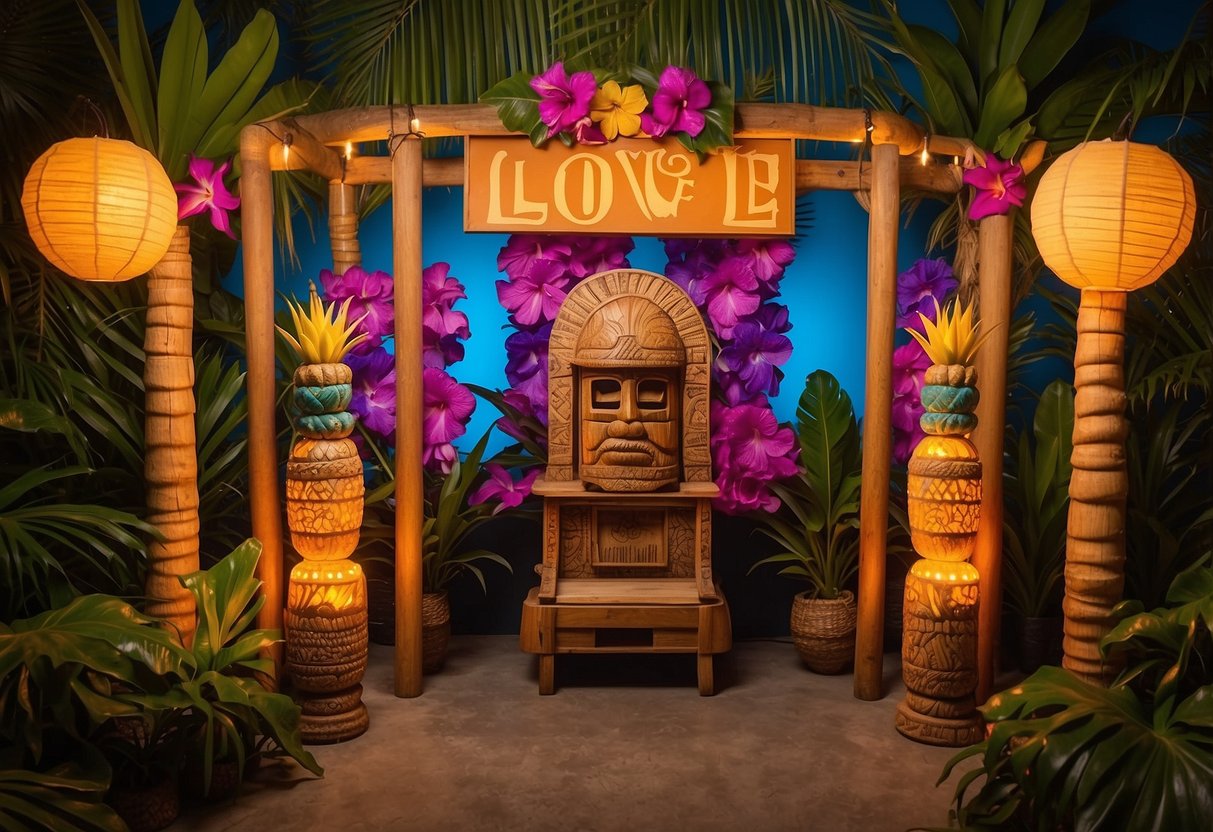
point(100, 209)
point(1109, 217)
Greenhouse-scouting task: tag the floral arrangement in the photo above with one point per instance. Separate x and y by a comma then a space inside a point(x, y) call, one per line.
point(920, 291)
point(595, 108)
point(448, 404)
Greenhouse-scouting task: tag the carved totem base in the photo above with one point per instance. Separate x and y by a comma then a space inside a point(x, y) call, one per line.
point(326, 654)
point(939, 663)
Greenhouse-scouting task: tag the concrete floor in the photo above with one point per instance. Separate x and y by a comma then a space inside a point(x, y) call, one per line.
point(625, 744)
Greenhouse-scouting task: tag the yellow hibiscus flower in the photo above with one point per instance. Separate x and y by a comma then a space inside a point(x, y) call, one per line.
point(617, 111)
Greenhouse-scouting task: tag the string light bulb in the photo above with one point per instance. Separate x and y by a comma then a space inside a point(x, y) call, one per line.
point(925, 156)
point(349, 150)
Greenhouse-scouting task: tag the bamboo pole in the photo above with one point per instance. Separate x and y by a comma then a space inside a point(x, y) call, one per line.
point(994, 239)
point(406, 263)
point(343, 227)
point(877, 420)
point(811, 174)
point(171, 453)
point(1099, 484)
point(257, 240)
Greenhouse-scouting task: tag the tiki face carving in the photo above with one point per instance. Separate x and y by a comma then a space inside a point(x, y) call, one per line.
point(629, 427)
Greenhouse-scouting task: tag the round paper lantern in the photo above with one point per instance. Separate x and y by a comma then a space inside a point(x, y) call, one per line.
point(100, 209)
point(1113, 215)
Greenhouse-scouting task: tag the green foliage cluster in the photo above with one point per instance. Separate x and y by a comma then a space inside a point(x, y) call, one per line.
point(94, 694)
point(1065, 754)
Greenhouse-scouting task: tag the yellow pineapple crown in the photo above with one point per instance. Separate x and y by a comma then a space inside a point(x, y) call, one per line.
point(952, 337)
point(324, 336)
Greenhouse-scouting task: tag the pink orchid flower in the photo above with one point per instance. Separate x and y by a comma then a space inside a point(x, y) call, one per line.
point(207, 192)
point(998, 187)
point(501, 486)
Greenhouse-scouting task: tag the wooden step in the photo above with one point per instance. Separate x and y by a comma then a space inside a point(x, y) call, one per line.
point(633, 591)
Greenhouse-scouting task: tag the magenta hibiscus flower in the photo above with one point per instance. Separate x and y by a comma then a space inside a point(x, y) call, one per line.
point(678, 103)
point(371, 294)
point(502, 487)
point(731, 292)
point(563, 99)
point(442, 327)
point(750, 450)
point(448, 407)
point(522, 250)
point(535, 295)
point(769, 259)
point(591, 255)
point(920, 287)
point(207, 193)
point(998, 187)
point(374, 388)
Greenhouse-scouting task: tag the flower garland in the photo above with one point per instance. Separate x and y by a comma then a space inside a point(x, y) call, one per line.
point(448, 404)
point(733, 284)
point(921, 288)
point(582, 108)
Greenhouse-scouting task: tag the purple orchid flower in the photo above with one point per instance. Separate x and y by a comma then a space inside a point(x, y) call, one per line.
point(442, 328)
point(207, 193)
point(535, 295)
point(678, 103)
point(503, 487)
point(732, 293)
point(998, 187)
point(374, 388)
point(448, 407)
point(920, 287)
point(748, 366)
point(910, 363)
point(371, 296)
point(563, 100)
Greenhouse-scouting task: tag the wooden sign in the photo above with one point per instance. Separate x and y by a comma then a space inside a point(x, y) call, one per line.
point(630, 186)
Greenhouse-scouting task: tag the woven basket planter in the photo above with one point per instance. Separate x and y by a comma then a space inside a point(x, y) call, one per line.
point(149, 808)
point(435, 630)
point(824, 631)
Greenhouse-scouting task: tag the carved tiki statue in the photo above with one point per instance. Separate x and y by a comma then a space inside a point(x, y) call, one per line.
point(627, 491)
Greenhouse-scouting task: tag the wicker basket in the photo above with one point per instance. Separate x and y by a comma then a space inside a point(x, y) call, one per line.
point(824, 631)
point(435, 630)
point(149, 808)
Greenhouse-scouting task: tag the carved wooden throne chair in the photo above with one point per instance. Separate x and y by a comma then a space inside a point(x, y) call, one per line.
point(627, 514)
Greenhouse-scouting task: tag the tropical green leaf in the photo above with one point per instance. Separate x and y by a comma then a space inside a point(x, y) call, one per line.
point(993, 13)
point(828, 435)
point(182, 80)
point(232, 89)
point(1052, 41)
point(1001, 106)
point(121, 89)
point(1021, 26)
point(968, 21)
point(518, 106)
point(138, 71)
point(951, 64)
point(718, 123)
point(67, 797)
point(227, 602)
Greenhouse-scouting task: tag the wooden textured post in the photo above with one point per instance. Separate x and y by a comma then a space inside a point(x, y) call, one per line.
point(171, 455)
point(1099, 484)
point(877, 418)
point(994, 235)
point(257, 239)
point(406, 263)
point(343, 227)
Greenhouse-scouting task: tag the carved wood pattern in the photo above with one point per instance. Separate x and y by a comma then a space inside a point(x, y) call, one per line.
point(939, 654)
point(575, 534)
point(576, 310)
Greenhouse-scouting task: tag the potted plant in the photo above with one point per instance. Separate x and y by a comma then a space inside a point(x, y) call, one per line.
point(60, 673)
point(817, 525)
point(1065, 754)
point(1034, 528)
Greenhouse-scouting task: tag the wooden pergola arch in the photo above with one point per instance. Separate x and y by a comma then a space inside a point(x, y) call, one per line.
point(317, 143)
